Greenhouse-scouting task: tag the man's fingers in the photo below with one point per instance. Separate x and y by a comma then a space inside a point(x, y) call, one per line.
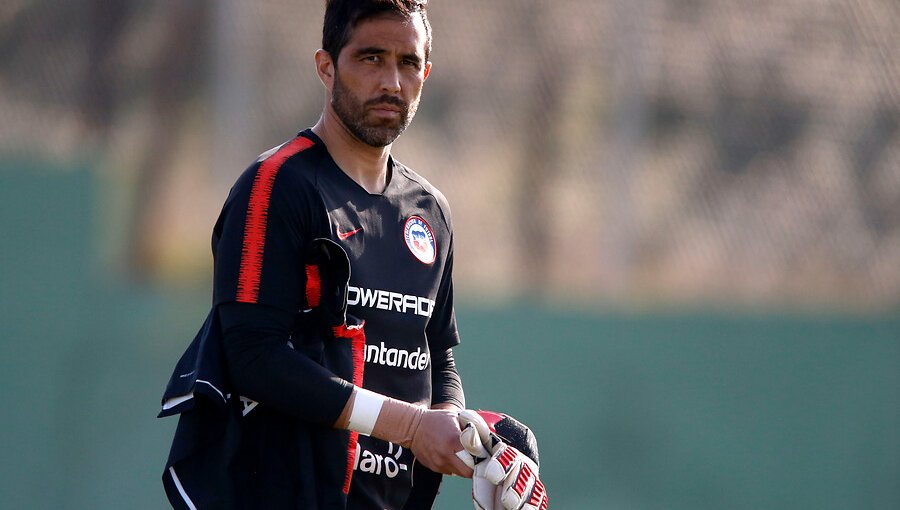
point(452, 464)
point(437, 441)
point(458, 467)
point(467, 458)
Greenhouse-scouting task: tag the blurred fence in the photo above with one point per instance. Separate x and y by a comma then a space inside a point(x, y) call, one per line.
point(671, 151)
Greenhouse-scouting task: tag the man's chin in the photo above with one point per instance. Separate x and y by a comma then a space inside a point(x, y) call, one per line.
point(379, 137)
point(379, 123)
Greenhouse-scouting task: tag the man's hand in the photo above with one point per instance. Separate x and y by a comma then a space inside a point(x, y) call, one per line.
point(436, 441)
point(504, 476)
point(432, 434)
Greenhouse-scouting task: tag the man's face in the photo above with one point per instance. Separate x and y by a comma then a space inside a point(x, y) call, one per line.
point(378, 78)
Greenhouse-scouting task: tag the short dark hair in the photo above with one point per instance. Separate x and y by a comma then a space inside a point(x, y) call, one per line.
point(342, 16)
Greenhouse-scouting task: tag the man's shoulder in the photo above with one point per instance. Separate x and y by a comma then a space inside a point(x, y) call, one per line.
point(421, 183)
point(293, 162)
point(285, 174)
point(299, 154)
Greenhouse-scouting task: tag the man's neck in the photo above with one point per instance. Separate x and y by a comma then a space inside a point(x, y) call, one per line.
point(365, 164)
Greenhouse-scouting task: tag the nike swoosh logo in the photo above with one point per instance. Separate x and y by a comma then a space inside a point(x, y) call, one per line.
point(344, 235)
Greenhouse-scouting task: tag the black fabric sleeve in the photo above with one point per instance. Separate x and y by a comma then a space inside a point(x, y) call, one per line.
point(263, 367)
point(260, 238)
point(442, 330)
point(445, 381)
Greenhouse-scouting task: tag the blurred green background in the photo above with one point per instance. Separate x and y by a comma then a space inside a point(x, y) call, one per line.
point(677, 234)
point(633, 410)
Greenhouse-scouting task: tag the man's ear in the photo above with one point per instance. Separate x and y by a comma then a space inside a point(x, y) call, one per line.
point(325, 68)
point(427, 70)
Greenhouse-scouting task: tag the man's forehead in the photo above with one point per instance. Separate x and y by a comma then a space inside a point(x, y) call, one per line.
point(390, 31)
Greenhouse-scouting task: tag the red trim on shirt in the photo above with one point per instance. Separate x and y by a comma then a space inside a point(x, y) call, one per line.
point(351, 461)
point(357, 337)
point(257, 214)
point(313, 286)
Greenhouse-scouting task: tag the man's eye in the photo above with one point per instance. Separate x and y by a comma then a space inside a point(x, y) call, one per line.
point(372, 58)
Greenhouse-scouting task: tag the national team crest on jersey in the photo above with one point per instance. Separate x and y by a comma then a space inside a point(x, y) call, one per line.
point(420, 239)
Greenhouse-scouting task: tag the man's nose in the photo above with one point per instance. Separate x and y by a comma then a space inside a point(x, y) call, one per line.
point(390, 78)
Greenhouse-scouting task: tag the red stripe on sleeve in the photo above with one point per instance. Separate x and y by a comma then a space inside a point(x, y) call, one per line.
point(313, 286)
point(257, 215)
point(357, 337)
point(351, 461)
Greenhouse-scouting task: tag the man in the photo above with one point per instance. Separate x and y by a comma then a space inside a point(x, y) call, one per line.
point(301, 418)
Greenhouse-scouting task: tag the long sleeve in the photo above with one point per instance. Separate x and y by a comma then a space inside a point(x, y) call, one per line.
point(445, 381)
point(263, 367)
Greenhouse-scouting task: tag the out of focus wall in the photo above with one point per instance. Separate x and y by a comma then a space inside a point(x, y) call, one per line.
point(637, 411)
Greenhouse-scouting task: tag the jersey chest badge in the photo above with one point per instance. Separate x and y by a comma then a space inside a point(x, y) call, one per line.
point(420, 239)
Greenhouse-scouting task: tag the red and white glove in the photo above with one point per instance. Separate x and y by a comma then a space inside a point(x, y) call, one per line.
point(505, 456)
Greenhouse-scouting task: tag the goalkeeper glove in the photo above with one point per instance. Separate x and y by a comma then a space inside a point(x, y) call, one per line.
point(505, 461)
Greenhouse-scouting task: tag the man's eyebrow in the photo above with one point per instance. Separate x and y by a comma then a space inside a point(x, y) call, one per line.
point(413, 57)
point(370, 50)
point(375, 50)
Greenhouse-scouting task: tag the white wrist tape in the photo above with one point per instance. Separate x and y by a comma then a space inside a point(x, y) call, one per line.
point(366, 408)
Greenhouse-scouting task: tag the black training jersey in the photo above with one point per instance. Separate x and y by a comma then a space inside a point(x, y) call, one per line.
point(400, 246)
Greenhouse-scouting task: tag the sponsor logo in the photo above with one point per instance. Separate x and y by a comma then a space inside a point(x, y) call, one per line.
point(391, 357)
point(345, 235)
point(383, 465)
point(420, 239)
point(248, 405)
point(392, 301)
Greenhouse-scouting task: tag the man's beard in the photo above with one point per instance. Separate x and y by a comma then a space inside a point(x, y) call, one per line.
point(353, 113)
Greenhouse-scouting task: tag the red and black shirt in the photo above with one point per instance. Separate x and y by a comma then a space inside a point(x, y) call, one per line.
point(400, 246)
